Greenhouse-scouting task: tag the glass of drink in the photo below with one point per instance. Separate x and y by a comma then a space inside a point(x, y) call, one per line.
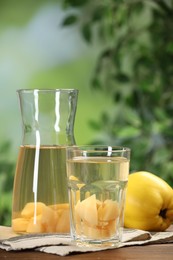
point(97, 181)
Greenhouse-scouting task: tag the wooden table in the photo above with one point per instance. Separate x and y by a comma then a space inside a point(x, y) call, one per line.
point(162, 251)
point(145, 252)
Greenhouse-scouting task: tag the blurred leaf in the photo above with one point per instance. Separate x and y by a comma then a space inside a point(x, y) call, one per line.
point(161, 155)
point(70, 20)
point(98, 13)
point(105, 118)
point(6, 183)
point(2, 182)
point(129, 132)
point(94, 125)
point(5, 209)
point(138, 8)
point(5, 147)
point(74, 3)
point(96, 83)
point(86, 32)
point(121, 77)
point(170, 48)
point(106, 54)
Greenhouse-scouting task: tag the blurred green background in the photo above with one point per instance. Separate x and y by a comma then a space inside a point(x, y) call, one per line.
point(117, 53)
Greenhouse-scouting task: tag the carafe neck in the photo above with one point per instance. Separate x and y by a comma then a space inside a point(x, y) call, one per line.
point(48, 116)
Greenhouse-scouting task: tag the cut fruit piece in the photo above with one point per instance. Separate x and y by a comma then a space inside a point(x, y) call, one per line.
point(32, 209)
point(87, 210)
point(95, 219)
point(112, 227)
point(73, 178)
point(39, 218)
point(109, 210)
point(95, 232)
point(35, 225)
point(59, 206)
point(48, 219)
point(63, 222)
point(20, 224)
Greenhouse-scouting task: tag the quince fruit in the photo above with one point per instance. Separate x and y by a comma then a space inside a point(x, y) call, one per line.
point(149, 202)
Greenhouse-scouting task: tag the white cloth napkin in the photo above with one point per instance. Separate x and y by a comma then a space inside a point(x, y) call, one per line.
point(62, 245)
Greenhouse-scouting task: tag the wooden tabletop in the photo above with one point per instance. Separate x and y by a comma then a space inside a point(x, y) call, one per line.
point(162, 251)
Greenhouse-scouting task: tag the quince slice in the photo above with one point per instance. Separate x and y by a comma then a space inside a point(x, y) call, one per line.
point(108, 211)
point(87, 210)
point(32, 208)
point(20, 224)
point(95, 232)
point(35, 225)
point(59, 206)
point(48, 219)
point(63, 222)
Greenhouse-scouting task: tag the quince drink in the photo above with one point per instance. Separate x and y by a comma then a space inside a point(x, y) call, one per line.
point(97, 188)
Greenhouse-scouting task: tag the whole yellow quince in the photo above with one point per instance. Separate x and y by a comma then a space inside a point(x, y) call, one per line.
point(149, 202)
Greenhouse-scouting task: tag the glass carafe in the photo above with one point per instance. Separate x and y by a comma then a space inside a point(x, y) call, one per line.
point(40, 197)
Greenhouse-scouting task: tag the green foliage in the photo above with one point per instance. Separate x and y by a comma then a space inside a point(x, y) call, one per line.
point(135, 68)
point(6, 184)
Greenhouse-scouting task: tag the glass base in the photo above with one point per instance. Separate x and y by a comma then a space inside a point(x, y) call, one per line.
point(97, 243)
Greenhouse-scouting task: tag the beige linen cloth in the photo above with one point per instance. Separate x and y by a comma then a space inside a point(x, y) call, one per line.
point(62, 245)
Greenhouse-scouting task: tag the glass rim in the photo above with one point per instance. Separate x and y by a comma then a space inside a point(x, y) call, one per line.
point(90, 148)
point(47, 90)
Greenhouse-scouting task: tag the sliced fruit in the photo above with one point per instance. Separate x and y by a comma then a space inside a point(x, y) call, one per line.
point(35, 225)
point(63, 222)
point(59, 206)
point(95, 219)
point(39, 218)
point(108, 210)
point(32, 209)
point(48, 219)
point(20, 224)
point(87, 210)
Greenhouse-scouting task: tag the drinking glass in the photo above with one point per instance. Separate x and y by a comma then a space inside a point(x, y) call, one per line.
point(97, 178)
